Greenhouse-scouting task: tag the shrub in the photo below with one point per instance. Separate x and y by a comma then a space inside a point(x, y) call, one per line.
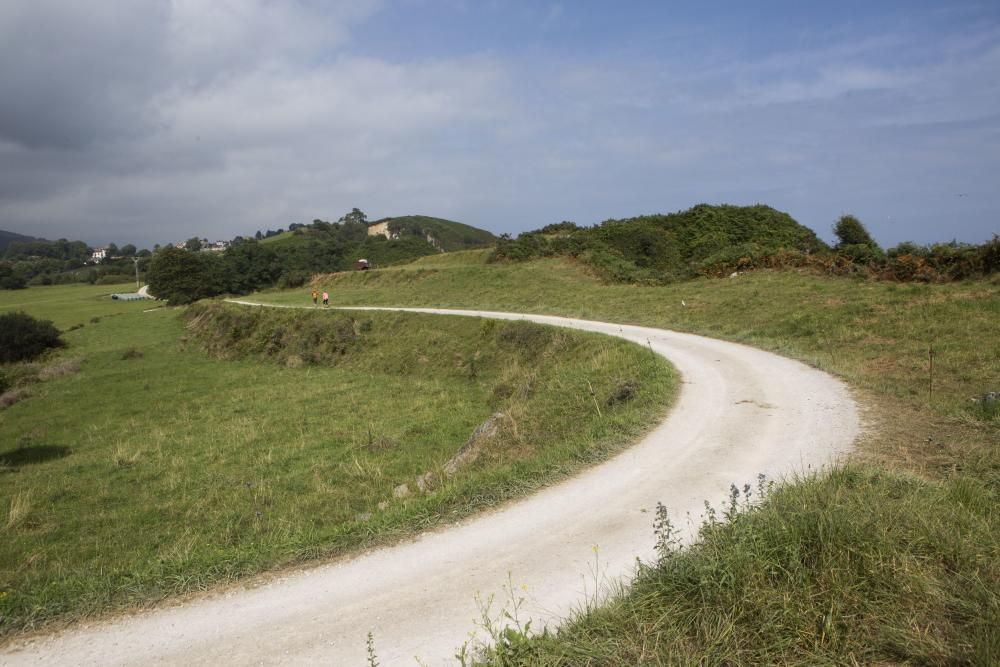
point(22, 337)
point(991, 255)
point(850, 231)
point(862, 253)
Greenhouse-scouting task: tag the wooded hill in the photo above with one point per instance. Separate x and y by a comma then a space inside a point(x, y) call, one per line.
point(288, 259)
point(335, 246)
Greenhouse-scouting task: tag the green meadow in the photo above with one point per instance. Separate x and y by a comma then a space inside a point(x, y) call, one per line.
point(233, 447)
point(164, 451)
point(893, 558)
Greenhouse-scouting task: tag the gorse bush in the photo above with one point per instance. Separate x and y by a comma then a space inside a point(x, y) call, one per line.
point(663, 248)
point(718, 240)
point(22, 337)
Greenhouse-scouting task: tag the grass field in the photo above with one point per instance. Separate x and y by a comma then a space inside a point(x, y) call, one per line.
point(165, 458)
point(893, 559)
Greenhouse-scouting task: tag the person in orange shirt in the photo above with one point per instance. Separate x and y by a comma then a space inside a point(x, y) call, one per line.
point(315, 297)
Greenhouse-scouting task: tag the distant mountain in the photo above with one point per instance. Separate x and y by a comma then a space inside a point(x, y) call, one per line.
point(7, 237)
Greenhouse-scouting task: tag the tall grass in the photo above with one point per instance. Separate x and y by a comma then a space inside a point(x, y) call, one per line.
point(857, 567)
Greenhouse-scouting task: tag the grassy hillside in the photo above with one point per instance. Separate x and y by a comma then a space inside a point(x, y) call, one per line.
point(158, 454)
point(893, 559)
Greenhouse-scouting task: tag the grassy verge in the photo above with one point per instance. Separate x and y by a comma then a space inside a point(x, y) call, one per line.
point(178, 455)
point(890, 560)
point(857, 567)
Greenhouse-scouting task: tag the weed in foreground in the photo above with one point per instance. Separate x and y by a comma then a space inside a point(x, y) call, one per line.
point(370, 646)
point(508, 636)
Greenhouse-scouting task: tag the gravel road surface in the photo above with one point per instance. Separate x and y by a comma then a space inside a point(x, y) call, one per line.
point(740, 412)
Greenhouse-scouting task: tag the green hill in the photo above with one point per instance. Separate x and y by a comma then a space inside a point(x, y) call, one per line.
point(447, 235)
point(335, 246)
point(662, 248)
point(6, 238)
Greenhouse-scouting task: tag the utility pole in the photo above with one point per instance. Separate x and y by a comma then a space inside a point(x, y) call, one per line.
point(135, 260)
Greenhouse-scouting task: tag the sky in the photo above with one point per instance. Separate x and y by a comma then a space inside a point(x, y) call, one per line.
point(152, 121)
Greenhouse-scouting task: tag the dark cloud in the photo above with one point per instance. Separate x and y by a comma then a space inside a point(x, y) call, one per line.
point(78, 72)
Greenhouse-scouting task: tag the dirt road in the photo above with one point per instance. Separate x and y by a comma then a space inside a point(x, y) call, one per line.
point(741, 412)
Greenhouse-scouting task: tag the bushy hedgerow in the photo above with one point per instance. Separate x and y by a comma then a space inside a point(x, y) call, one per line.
point(718, 240)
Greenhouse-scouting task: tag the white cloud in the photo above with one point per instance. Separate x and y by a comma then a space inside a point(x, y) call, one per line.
point(218, 118)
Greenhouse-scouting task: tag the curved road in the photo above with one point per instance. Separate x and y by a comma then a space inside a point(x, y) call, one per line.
point(740, 412)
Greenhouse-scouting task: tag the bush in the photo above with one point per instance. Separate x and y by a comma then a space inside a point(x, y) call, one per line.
point(851, 232)
point(862, 253)
point(23, 338)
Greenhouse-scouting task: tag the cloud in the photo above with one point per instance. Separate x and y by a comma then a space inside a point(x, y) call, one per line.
point(76, 73)
point(72, 71)
point(159, 121)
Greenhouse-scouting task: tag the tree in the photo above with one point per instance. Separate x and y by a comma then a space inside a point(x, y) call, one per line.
point(249, 266)
point(850, 231)
point(856, 243)
point(23, 338)
point(128, 250)
point(193, 244)
point(356, 215)
point(177, 276)
point(9, 279)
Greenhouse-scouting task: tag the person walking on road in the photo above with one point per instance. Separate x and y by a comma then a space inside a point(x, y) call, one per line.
point(326, 299)
point(315, 296)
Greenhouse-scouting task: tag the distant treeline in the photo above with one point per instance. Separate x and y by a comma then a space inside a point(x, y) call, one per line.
point(718, 240)
point(41, 262)
point(289, 259)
